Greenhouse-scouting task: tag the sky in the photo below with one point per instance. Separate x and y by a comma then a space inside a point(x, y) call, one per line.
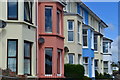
point(108, 12)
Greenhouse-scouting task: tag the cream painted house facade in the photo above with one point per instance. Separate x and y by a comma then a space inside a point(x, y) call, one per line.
point(107, 55)
point(99, 27)
point(73, 34)
point(18, 38)
point(74, 45)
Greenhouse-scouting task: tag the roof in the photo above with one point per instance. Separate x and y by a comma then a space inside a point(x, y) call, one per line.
point(98, 33)
point(105, 38)
point(93, 14)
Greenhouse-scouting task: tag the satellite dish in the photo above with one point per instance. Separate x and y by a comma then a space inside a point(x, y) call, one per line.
point(2, 24)
point(41, 40)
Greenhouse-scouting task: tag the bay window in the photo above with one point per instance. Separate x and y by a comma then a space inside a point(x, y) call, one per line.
point(105, 66)
point(59, 62)
point(96, 64)
point(28, 11)
point(70, 30)
point(48, 61)
point(58, 21)
point(85, 63)
point(85, 37)
point(92, 39)
point(78, 32)
point(71, 58)
point(95, 43)
point(12, 50)
point(27, 58)
point(48, 19)
point(79, 56)
point(105, 47)
point(12, 9)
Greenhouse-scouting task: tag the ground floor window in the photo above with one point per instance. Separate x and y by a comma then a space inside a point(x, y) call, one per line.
point(85, 62)
point(48, 61)
point(27, 57)
point(79, 57)
point(71, 58)
point(59, 61)
point(105, 66)
point(12, 51)
point(96, 64)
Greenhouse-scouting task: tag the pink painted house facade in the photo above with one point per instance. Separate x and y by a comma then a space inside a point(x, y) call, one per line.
point(50, 60)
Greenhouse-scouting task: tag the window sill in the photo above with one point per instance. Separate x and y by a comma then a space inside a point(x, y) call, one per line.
point(85, 46)
point(22, 22)
point(70, 41)
point(95, 51)
point(48, 74)
point(59, 74)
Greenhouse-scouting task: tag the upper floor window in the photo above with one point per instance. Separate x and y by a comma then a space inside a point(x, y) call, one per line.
point(105, 47)
point(28, 11)
point(48, 19)
point(58, 21)
point(70, 30)
point(92, 39)
point(78, 33)
point(12, 9)
point(27, 58)
point(12, 55)
point(85, 37)
point(71, 58)
point(95, 43)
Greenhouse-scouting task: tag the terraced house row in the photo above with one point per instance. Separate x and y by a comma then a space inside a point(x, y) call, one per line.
point(40, 37)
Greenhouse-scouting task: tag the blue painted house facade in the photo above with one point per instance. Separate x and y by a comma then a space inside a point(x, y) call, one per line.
point(88, 42)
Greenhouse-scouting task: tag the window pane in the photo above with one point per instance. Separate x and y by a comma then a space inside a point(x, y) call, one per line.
point(12, 64)
point(79, 58)
point(58, 21)
point(28, 11)
point(70, 35)
point(27, 66)
point(59, 61)
point(85, 31)
point(71, 58)
point(105, 47)
point(27, 58)
point(12, 48)
point(27, 50)
point(48, 61)
point(48, 19)
point(70, 25)
point(84, 40)
point(12, 9)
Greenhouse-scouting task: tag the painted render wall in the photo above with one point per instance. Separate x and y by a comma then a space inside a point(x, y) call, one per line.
point(17, 29)
point(108, 57)
point(74, 47)
point(99, 55)
point(88, 52)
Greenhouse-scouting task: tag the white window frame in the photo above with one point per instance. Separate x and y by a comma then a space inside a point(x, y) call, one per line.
point(44, 60)
point(47, 7)
point(87, 38)
point(96, 43)
point(70, 30)
point(92, 40)
point(78, 32)
point(60, 62)
point(86, 65)
point(73, 57)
